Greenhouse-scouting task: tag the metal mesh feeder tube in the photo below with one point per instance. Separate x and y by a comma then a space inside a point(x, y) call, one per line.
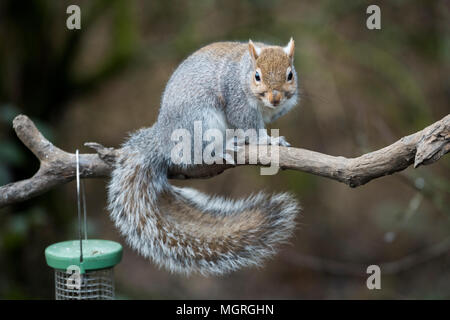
point(88, 278)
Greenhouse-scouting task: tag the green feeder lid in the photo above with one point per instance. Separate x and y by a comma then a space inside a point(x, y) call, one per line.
point(97, 254)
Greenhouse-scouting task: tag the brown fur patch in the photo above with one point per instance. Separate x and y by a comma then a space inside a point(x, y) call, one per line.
point(273, 62)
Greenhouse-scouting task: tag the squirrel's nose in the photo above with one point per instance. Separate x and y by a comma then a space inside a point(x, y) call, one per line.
point(274, 97)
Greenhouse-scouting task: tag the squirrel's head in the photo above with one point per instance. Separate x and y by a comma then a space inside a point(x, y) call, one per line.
point(273, 79)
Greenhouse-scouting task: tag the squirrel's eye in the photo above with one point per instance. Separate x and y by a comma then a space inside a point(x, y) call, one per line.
point(257, 76)
point(290, 75)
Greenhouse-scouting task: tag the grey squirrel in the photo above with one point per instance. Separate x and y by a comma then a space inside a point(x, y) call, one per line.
point(223, 85)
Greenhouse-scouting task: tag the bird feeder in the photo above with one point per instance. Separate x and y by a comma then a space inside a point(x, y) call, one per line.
point(83, 268)
point(90, 279)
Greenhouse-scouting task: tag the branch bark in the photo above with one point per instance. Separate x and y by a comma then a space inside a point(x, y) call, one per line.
point(58, 167)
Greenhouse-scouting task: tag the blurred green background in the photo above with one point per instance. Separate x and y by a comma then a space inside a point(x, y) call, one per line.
point(361, 90)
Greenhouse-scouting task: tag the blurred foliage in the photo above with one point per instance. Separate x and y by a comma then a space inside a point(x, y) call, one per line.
point(361, 90)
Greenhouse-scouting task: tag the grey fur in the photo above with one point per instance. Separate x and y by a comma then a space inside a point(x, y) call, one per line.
point(205, 87)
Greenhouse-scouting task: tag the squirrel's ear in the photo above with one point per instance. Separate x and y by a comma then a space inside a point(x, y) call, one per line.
point(254, 50)
point(289, 49)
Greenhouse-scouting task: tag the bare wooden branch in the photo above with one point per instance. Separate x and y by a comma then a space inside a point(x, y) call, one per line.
point(58, 167)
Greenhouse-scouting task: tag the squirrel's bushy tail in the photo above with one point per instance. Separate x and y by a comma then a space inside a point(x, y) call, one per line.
point(187, 231)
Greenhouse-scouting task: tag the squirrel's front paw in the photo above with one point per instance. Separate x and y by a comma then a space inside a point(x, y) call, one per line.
point(237, 141)
point(227, 156)
point(283, 142)
point(232, 146)
point(276, 141)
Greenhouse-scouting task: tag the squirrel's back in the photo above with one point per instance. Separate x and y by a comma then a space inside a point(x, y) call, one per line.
point(202, 72)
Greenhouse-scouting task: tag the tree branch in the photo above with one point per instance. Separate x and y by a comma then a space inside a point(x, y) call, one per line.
point(58, 167)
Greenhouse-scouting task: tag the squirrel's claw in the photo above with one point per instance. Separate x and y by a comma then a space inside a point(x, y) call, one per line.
point(228, 154)
point(275, 141)
point(228, 158)
point(283, 142)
